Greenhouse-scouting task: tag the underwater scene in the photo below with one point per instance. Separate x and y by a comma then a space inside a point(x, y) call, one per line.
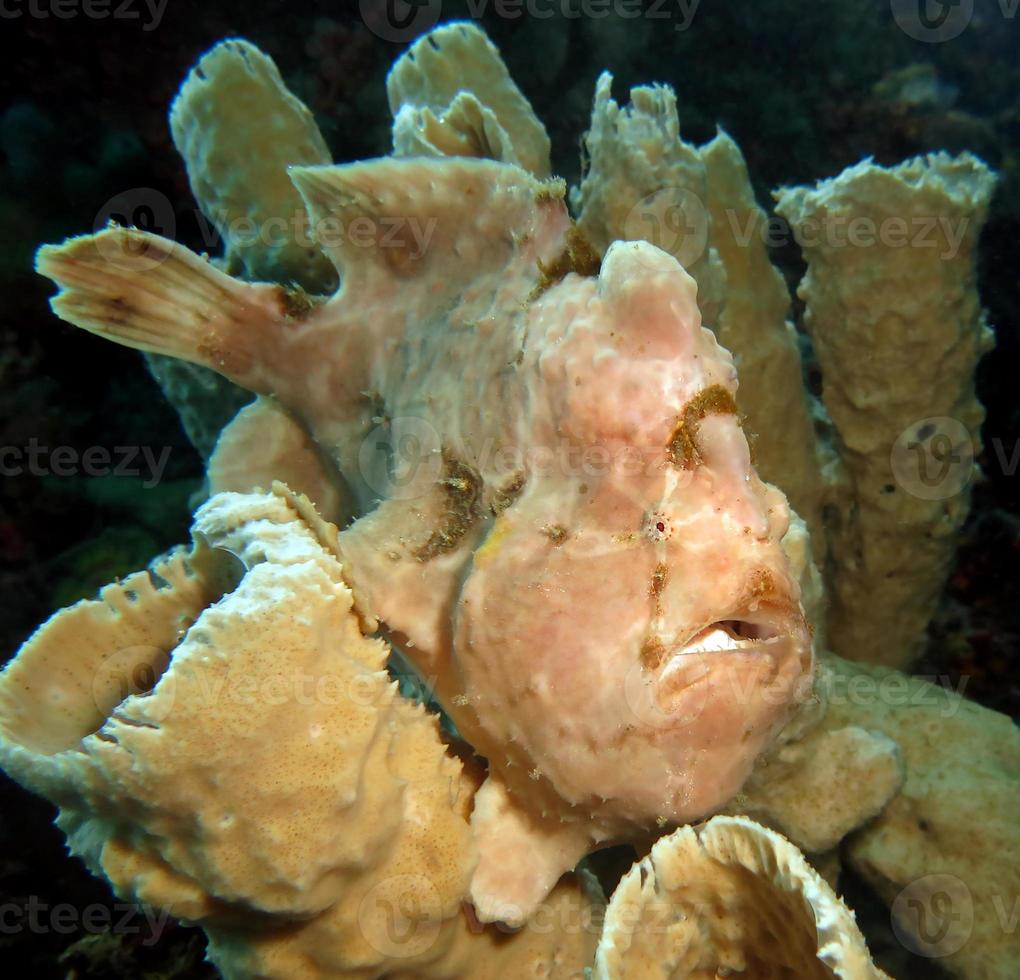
point(510, 489)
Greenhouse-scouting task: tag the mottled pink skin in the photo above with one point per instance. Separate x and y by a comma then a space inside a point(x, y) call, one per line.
point(565, 630)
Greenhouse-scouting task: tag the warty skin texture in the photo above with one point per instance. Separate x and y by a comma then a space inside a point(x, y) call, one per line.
point(609, 619)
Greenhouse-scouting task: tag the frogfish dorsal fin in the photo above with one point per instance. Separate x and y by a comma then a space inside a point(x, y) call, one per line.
point(403, 218)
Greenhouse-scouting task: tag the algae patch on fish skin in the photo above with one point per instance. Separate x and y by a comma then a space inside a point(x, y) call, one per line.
point(578, 255)
point(682, 449)
point(556, 533)
point(462, 487)
point(653, 652)
point(507, 494)
point(295, 303)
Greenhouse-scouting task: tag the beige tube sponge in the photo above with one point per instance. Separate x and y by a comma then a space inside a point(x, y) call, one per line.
point(754, 324)
point(451, 95)
point(819, 787)
point(923, 787)
point(642, 182)
point(945, 853)
point(897, 326)
point(728, 898)
point(223, 741)
point(239, 128)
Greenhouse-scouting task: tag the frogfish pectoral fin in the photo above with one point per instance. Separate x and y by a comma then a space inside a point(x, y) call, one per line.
point(520, 857)
point(150, 293)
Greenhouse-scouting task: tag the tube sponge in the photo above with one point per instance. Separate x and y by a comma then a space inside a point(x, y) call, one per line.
point(897, 326)
point(728, 898)
point(238, 129)
point(451, 95)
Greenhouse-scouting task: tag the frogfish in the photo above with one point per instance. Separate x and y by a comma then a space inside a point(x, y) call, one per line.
point(555, 516)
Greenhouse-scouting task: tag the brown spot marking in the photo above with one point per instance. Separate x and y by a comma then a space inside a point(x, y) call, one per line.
point(659, 577)
point(144, 245)
point(295, 303)
point(653, 652)
point(578, 255)
point(556, 533)
point(682, 449)
point(762, 584)
point(462, 488)
point(507, 494)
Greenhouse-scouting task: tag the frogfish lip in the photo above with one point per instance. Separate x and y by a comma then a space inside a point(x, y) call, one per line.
point(775, 650)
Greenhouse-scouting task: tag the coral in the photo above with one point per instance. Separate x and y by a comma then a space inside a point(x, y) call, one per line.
point(898, 364)
point(451, 95)
point(124, 710)
point(919, 768)
point(253, 205)
point(728, 898)
point(953, 829)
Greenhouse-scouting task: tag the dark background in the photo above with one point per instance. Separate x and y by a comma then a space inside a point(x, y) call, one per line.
point(805, 88)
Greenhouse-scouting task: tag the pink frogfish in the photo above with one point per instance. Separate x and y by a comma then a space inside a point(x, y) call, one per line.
point(558, 521)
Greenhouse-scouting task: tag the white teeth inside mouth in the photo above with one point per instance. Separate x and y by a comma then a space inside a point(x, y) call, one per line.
point(729, 634)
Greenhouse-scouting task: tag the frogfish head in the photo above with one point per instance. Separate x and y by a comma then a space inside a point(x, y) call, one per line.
point(629, 632)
